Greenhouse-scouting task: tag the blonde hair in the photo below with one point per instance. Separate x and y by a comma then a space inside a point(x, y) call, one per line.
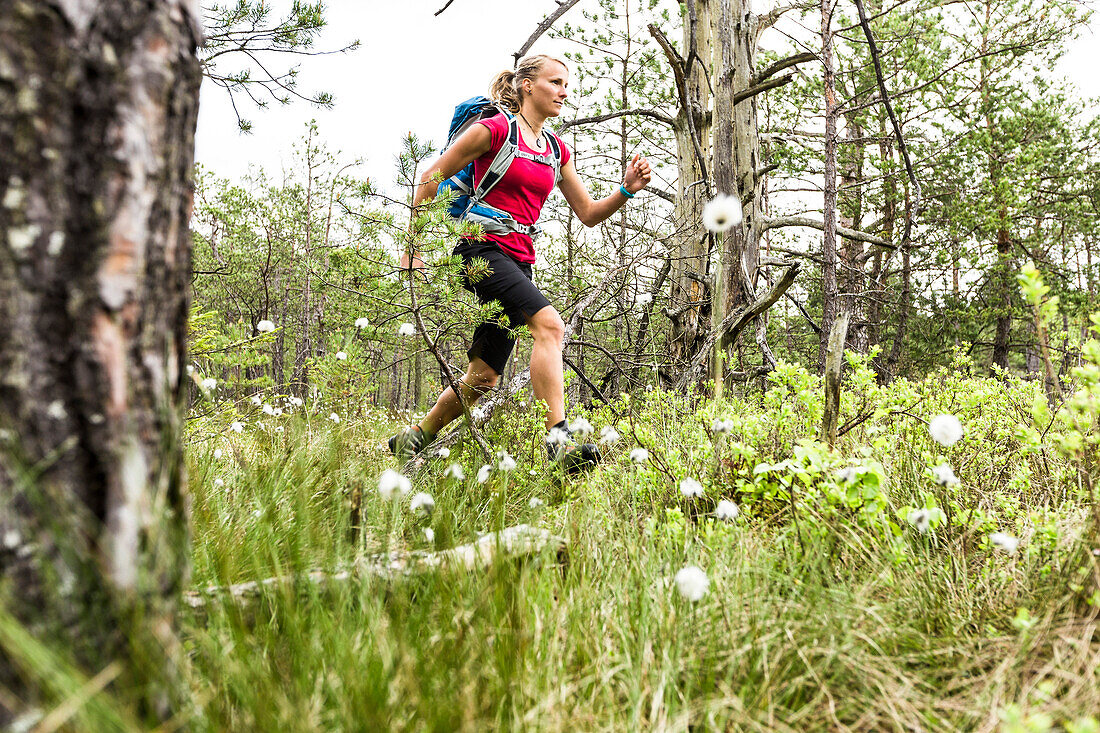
point(505, 89)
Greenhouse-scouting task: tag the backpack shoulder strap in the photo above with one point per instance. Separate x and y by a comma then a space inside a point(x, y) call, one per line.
point(501, 162)
point(555, 146)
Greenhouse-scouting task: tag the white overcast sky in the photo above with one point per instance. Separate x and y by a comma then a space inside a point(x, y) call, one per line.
point(410, 71)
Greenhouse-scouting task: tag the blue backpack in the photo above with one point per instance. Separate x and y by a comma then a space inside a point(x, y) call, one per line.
point(469, 203)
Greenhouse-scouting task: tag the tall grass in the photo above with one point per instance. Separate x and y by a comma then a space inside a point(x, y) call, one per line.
point(830, 613)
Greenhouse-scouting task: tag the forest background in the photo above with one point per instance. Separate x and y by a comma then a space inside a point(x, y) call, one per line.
point(915, 546)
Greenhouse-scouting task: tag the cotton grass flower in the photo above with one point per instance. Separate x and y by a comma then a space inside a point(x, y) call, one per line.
point(256, 400)
point(945, 475)
point(217, 454)
point(406, 329)
point(209, 383)
point(609, 435)
point(483, 474)
point(443, 453)
point(278, 428)
point(268, 409)
point(920, 520)
point(721, 427)
point(690, 488)
point(945, 430)
point(580, 427)
point(726, 511)
point(362, 322)
point(341, 356)
point(505, 462)
point(645, 299)
point(236, 426)
point(429, 535)
point(334, 417)
point(392, 484)
point(455, 472)
point(535, 502)
point(422, 503)
point(265, 326)
point(692, 583)
point(721, 213)
point(639, 455)
point(218, 483)
point(297, 401)
point(1005, 542)
point(557, 436)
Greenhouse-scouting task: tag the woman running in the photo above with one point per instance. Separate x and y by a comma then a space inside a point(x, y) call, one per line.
point(534, 92)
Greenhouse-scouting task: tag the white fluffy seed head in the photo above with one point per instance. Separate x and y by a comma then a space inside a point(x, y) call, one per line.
point(920, 519)
point(692, 583)
point(639, 455)
point(691, 488)
point(392, 484)
point(429, 535)
point(1004, 542)
point(218, 483)
point(505, 462)
point(334, 417)
point(721, 213)
point(727, 511)
point(406, 329)
point(341, 355)
point(256, 400)
point(483, 474)
point(217, 454)
point(209, 383)
point(455, 471)
point(268, 409)
point(609, 435)
point(236, 426)
point(557, 436)
point(443, 453)
point(945, 475)
point(423, 503)
point(265, 326)
point(945, 429)
point(580, 427)
point(721, 427)
point(535, 502)
point(362, 322)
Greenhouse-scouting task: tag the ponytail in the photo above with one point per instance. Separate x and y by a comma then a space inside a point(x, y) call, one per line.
point(505, 89)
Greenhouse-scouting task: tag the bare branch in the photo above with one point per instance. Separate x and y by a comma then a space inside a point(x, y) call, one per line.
point(752, 91)
point(732, 325)
point(563, 8)
point(803, 221)
point(798, 58)
point(440, 11)
point(641, 112)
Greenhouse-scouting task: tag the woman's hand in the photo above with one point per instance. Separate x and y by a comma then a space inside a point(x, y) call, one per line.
point(638, 174)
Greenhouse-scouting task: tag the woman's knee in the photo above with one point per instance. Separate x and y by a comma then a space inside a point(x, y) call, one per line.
point(481, 379)
point(547, 325)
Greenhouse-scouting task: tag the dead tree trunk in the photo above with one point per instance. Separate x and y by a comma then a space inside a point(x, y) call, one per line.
point(98, 104)
point(828, 245)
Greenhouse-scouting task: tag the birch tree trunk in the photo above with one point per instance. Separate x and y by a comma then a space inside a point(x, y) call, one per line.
point(98, 105)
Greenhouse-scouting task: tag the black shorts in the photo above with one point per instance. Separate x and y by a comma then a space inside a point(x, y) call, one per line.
point(509, 283)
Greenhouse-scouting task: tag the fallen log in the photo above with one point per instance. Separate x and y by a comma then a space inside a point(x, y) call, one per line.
point(511, 543)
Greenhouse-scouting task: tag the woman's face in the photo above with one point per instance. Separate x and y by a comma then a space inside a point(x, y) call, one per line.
point(547, 93)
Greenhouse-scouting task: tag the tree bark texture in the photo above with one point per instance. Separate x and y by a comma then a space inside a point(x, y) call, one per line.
point(828, 240)
point(737, 155)
point(98, 106)
point(687, 295)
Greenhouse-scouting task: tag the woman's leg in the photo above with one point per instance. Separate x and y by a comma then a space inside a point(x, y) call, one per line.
point(479, 379)
point(547, 380)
